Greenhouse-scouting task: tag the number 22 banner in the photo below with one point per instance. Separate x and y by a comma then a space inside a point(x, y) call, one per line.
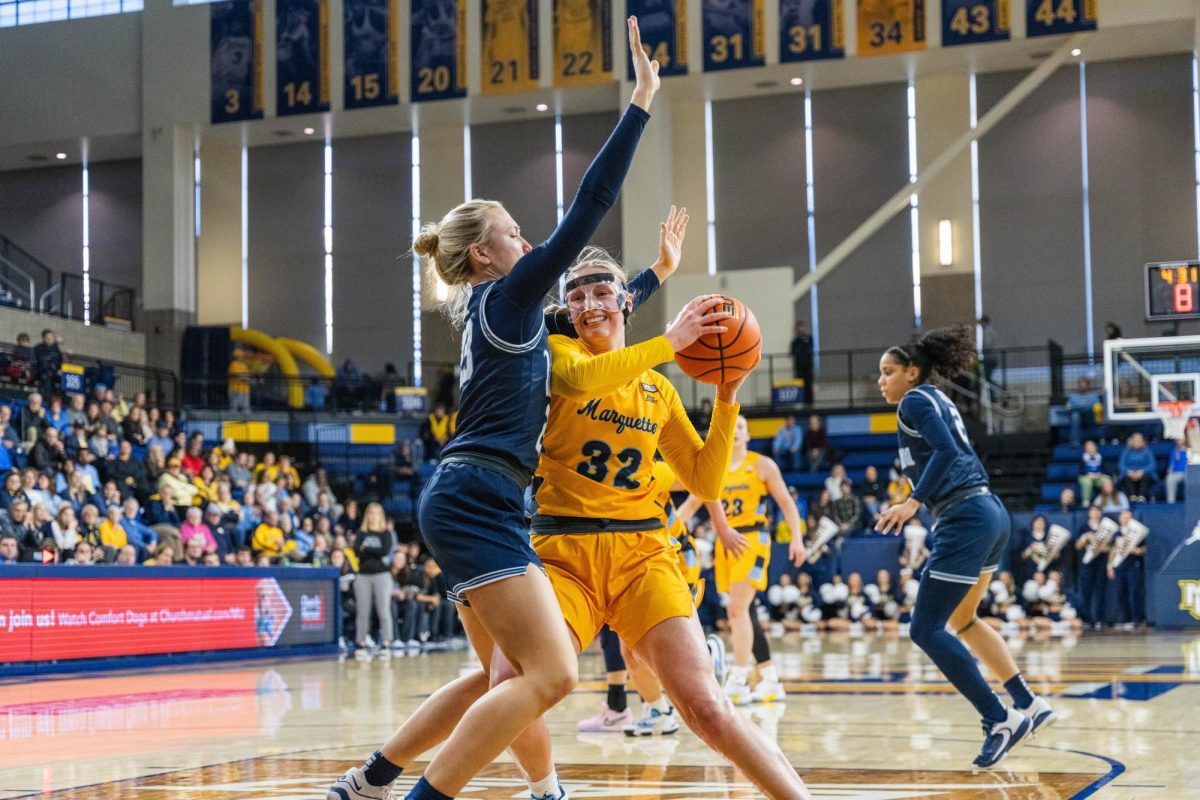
point(583, 53)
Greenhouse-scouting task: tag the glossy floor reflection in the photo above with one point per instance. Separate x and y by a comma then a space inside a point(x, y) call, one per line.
point(865, 718)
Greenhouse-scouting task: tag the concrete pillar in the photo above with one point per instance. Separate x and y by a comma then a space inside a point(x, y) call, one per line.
point(219, 250)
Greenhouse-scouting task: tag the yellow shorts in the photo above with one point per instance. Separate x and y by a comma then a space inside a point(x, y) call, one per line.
point(750, 566)
point(629, 580)
point(689, 565)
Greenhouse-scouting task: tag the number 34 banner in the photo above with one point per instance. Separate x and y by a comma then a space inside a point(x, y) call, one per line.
point(890, 26)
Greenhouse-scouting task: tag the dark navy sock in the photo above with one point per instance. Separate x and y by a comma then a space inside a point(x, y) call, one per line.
point(379, 771)
point(610, 643)
point(616, 698)
point(1018, 689)
point(761, 650)
point(936, 601)
point(423, 791)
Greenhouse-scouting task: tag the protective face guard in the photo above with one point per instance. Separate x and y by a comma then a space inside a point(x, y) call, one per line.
point(601, 291)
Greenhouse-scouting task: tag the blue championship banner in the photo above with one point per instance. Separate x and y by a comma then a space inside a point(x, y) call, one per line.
point(890, 26)
point(510, 46)
point(734, 34)
point(1050, 17)
point(663, 24)
point(371, 71)
point(811, 30)
point(583, 53)
point(974, 21)
point(235, 60)
point(439, 49)
point(301, 56)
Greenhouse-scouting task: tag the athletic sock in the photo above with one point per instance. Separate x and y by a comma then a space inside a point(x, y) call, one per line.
point(546, 787)
point(423, 791)
point(769, 674)
point(379, 771)
point(1019, 691)
point(616, 698)
point(660, 705)
point(739, 674)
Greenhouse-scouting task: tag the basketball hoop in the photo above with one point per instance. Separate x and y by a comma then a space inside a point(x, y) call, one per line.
point(1175, 418)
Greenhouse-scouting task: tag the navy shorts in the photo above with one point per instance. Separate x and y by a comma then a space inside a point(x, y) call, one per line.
point(473, 520)
point(969, 539)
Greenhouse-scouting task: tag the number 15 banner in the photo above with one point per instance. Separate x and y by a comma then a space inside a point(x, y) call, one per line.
point(372, 70)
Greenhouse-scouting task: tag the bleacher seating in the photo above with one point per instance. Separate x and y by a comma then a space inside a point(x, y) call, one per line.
point(1063, 470)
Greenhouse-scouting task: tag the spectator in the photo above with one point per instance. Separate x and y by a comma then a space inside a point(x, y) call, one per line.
point(135, 428)
point(101, 441)
point(47, 361)
point(701, 417)
point(129, 473)
point(126, 556)
point(76, 411)
point(1177, 470)
point(239, 382)
point(193, 550)
point(239, 471)
point(65, 529)
point(316, 396)
point(1109, 499)
point(206, 485)
point(786, 446)
point(49, 552)
point(33, 419)
point(139, 534)
point(48, 453)
point(21, 366)
point(802, 360)
point(1081, 406)
point(373, 586)
point(77, 440)
point(162, 439)
point(165, 557)
point(182, 490)
point(407, 581)
point(438, 610)
point(194, 527)
point(1091, 576)
point(1112, 331)
point(268, 536)
point(211, 560)
point(287, 470)
point(1034, 546)
point(1066, 501)
point(438, 430)
point(833, 484)
point(1137, 469)
point(9, 554)
point(112, 532)
point(349, 520)
point(847, 510)
point(57, 416)
point(816, 443)
point(244, 557)
point(1090, 474)
point(225, 536)
point(85, 464)
point(77, 494)
point(989, 347)
point(1127, 579)
point(872, 491)
point(12, 491)
point(84, 555)
point(89, 525)
point(10, 441)
point(267, 469)
point(193, 457)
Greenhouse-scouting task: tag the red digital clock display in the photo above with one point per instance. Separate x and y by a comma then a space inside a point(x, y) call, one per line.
point(1172, 291)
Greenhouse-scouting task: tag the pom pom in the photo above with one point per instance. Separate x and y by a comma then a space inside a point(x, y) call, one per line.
point(1030, 591)
point(1014, 614)
point(828, 593)
point(842, 592)
point(775, 595)
point(1068, 612)
point(872, 594)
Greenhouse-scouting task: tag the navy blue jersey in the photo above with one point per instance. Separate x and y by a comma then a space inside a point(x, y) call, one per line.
point(935, 452)
point(504, 379)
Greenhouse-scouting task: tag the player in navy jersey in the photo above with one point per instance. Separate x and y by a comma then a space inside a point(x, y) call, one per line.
point(970, 533)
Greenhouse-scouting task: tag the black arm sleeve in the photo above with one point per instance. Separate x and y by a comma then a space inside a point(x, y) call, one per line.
point(534, 275)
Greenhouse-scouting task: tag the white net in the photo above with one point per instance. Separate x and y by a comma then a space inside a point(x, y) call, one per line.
point(1175, 418)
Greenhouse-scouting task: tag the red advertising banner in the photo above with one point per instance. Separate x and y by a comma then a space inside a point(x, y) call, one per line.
point(45, 619)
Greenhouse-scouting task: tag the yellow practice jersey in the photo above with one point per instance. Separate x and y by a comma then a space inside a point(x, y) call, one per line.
point(597, 460)
point(742, 494)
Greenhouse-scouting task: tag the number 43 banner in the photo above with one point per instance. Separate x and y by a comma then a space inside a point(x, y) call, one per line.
point(973, 21)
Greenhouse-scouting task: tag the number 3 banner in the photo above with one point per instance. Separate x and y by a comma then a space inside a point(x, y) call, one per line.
point(439, 49)
point(974, 21)
point(734, 34)
point(583, 53)
point(890, 26)
point(235, 60)
point(371, 68)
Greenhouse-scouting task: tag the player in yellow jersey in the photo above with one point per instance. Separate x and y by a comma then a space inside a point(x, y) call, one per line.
point(598, 526)
point(743, 554)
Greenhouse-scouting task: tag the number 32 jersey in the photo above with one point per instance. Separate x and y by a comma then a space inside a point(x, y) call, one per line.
point(597, 458)
point(935, 452)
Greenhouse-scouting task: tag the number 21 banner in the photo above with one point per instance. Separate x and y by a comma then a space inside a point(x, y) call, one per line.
point(439, 49)
point(890, 26)
point(510, 46)
point(734, 34)
point(371, 69)
point(582, 42)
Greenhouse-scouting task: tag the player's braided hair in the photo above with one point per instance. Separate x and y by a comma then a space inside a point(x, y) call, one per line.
point(941, 352)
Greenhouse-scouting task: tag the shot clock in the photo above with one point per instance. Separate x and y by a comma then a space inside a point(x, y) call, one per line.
point(1172, 291)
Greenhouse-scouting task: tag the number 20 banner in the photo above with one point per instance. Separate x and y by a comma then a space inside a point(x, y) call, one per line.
point(439, 49)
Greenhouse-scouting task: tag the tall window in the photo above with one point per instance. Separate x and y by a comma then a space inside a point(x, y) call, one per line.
point(30, 12)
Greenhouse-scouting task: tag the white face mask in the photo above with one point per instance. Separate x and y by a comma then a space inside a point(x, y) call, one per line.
point(597, 292)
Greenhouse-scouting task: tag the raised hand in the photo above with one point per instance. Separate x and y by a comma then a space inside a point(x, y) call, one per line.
point(644, 69)
point(670, 243)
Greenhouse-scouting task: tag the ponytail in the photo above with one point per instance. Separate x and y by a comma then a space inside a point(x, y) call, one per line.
point(941, 352)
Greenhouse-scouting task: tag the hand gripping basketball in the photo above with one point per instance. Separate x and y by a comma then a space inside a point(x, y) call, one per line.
point(724, 356)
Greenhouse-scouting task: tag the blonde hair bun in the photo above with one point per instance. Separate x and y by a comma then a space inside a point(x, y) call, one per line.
point(427, 240)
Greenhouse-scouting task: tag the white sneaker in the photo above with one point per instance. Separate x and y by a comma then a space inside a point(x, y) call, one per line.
point(1002, 738)
point(768, 692)
point(716, 651)
point(384, 654)
point(738, 691)
point(362, 654)
point(654, 722)
point(1040, 714)
point(353, 786)
point(606, 720)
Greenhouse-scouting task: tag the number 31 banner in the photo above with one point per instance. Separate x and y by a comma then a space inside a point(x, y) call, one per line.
point(734, 34)
point(439, 49)
point(811, 30)
point(890, 26)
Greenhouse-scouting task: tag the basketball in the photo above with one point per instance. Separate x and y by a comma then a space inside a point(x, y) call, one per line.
point(718, 358)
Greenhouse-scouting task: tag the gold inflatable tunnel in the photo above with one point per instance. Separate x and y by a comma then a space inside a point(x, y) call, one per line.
point(283, 357)
point(308, 354)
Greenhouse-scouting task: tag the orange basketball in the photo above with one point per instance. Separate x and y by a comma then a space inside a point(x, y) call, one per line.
point(718, 358)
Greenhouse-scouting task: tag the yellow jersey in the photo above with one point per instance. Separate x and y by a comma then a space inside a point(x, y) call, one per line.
point(742, 494)
point(664, 479)
point(597, 457)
